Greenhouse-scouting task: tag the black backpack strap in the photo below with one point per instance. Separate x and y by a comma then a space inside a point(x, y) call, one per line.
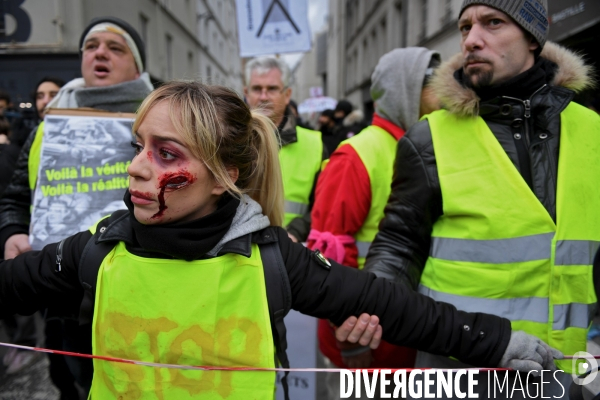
point(279, 297)
point(93, 254)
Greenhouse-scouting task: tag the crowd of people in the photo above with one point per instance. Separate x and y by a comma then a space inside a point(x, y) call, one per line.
point(457, 228)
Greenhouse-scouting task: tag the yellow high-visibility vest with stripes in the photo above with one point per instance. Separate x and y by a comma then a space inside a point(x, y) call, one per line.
point(496, 249)
point(377, 150)
point(300, 161)
point(210, 312)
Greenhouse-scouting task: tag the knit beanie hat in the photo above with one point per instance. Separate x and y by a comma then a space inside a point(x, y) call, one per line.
point(345, 106)
point(531, 15)
point(120, 27)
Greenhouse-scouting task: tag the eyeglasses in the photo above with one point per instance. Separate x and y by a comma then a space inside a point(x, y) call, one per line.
point(271, 90)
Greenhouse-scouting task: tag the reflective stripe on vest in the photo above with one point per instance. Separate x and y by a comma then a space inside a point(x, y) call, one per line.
point(363, 250)
point(295, 208)
point(576, 252)
point(533, 309)
point(300, 162)
point(202, 312)
point(572, 315)
point(527, 248)
point(495, 249)
point(377, 149)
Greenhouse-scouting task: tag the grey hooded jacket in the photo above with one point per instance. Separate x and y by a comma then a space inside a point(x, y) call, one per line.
point(395, 89)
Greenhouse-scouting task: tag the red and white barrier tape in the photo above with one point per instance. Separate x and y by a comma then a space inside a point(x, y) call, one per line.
point(212, 368)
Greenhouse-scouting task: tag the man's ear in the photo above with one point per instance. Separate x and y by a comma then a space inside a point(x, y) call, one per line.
point(287, 94)
point(533, 44)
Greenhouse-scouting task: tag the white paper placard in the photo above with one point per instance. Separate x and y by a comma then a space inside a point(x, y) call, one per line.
point(272, 26)
point(82, 175)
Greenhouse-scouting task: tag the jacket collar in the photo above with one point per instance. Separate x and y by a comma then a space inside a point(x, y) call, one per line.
point(120, 230)
point(572, 74)
point(391, 128)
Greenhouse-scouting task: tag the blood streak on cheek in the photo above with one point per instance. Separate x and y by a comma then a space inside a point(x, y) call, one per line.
point(170, 182)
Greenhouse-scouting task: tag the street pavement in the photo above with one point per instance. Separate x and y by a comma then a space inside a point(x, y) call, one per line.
point(32, 383)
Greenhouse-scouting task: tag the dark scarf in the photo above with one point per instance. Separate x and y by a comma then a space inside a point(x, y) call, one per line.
point(521, 86)
point(187, 240)
point(287, 128)
point(122, 97)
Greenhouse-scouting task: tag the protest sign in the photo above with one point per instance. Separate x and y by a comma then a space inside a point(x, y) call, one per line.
point(272, 26)
point(316, 104)
point(82, 172)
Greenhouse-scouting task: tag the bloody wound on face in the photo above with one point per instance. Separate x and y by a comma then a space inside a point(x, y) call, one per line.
point(170, 182)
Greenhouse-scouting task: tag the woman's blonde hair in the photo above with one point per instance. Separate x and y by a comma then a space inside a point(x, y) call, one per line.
point(220, 130)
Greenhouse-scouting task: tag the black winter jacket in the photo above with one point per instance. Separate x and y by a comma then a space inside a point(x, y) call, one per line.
point(17, 198)
point(528, 129)
point(29, 282)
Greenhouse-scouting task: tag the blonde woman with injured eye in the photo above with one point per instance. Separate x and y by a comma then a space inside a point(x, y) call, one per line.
point(198, 271)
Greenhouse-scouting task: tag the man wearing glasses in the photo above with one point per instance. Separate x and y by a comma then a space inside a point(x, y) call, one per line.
point(302, 152)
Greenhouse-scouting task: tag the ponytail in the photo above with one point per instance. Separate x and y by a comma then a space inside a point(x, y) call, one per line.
point(266, 185)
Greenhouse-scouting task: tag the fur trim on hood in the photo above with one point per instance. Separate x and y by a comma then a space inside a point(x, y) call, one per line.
point(354, 117)
point(572, 74)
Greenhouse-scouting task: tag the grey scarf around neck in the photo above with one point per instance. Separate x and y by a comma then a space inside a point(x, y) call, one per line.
point(122, 97)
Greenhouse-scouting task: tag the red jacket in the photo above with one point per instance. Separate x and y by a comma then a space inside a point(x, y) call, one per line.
point(342, 202)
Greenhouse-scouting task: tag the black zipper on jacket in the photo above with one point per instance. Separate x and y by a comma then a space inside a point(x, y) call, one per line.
point(523, 145)
point(59, 248)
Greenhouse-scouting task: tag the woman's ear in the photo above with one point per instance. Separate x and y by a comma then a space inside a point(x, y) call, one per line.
point(234, 173)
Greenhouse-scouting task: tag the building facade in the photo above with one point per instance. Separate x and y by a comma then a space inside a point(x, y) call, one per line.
point(185, 39)
point(359, 32)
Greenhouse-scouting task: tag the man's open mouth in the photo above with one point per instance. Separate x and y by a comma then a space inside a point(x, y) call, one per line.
point(101, 70)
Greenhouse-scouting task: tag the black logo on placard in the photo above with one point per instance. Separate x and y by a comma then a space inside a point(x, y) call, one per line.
point(276, 14)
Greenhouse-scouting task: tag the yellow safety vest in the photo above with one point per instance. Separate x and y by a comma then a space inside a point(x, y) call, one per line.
point(496, 249)
point(377, 150)
point(210, 312)
point(300, 161)
point(33, 162)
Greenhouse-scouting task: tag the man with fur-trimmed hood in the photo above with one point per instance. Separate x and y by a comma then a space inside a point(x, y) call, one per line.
point(495, 199)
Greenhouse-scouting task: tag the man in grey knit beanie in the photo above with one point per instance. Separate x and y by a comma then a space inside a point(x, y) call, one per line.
point(500, 38)
point(531, 15)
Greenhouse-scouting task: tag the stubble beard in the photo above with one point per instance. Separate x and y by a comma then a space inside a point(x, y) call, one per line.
point(478, 78)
